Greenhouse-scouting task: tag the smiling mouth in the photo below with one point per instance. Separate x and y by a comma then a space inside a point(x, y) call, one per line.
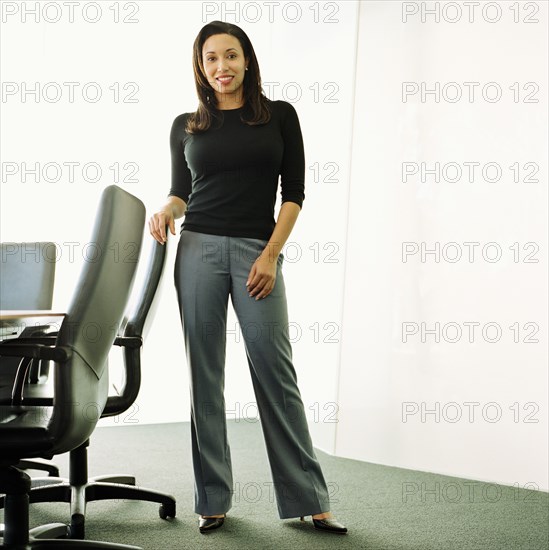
point(225, 80)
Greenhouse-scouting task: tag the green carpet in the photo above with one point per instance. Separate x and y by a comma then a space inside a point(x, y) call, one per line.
point(384, 508)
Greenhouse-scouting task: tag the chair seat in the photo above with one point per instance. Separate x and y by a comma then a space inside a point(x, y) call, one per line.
point(25, 429)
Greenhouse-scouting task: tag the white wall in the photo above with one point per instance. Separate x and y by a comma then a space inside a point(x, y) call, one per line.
point(386, 381)
point(348, 290)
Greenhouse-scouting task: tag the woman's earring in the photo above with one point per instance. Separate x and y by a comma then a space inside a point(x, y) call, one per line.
point(246, 68)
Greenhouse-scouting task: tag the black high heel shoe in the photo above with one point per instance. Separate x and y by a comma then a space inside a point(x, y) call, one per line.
point(328, 524)
point(207, 524)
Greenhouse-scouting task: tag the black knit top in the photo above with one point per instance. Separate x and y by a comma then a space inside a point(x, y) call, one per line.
point(229, 175)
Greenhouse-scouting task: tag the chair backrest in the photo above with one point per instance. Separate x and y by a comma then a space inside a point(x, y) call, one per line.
point(27, 274)
point(93, 318)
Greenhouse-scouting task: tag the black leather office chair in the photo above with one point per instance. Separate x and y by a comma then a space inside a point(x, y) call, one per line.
point(78, 489)
point(27, 276)
point(80, 373)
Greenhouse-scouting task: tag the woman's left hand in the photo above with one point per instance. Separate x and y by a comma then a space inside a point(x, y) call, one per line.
point(262, 277)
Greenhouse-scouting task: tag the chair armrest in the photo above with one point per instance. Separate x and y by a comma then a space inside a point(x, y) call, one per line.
point(59, 354)
point(128, 341)
point(46, 340)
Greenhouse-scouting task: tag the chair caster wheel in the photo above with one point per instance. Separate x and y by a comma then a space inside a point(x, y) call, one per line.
point(167, 511)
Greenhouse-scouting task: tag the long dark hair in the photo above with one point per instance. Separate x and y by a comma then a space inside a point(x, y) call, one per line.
point(257, 104)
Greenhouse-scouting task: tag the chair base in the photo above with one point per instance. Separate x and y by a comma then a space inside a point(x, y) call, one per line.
point(59, 490)
point(78, 491)
point(60, 544)
point(15, 533)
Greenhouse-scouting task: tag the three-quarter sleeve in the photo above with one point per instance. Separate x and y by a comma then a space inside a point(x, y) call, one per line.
point(181, 185)
point(293, 163)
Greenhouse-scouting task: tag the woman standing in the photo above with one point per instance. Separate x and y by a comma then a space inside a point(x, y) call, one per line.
point(226, 161)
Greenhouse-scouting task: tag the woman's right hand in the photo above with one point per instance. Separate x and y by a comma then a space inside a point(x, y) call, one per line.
point(158, 223)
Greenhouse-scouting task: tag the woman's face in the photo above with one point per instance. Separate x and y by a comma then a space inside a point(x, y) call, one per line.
point(222, 55)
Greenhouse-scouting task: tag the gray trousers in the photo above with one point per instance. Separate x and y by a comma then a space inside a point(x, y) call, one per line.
point(209, 268)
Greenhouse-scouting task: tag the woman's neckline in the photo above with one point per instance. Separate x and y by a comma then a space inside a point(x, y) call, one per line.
point(237, 109)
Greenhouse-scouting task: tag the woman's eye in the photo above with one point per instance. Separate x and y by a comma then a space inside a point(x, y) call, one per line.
point(230, 55)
